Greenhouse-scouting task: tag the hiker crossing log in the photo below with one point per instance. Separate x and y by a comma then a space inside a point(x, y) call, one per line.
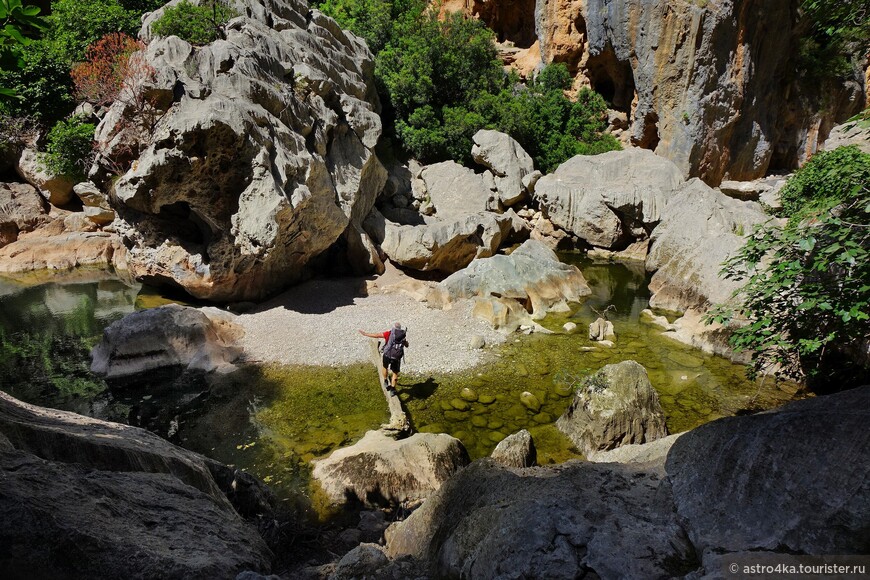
point(399, 425)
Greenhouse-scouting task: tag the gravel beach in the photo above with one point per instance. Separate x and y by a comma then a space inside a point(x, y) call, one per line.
point(316, 323)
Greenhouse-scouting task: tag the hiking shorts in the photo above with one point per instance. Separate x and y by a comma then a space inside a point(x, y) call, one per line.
point(392, 364)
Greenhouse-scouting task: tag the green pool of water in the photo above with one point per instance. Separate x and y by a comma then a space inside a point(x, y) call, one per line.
point(273, 420)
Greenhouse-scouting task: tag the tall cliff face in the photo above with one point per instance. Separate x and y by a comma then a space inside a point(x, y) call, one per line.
point(712, 85)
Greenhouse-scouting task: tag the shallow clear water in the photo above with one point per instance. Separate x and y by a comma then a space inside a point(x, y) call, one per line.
point(273, 420)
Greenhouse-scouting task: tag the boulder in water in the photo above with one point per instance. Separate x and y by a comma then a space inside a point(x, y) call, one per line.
point(517, 450)
point(615, 406)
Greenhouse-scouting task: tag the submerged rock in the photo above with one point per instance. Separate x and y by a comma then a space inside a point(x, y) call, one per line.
point(379, 470)
point(169, 336)
point(84, 498)
point(618, 406)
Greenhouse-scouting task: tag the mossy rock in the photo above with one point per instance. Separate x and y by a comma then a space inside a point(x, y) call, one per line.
point(486, 399)
point(495, 424)
point(455, 416)
point(521, 370)
point(445, 405)
point(468, 395)
point(459, 404)
point(479, 421)
point(542, 418)
point(432, 428)
point(496, 436)
point(685, 359)
point(530, 402)
point(518, 412)
point(564, 390)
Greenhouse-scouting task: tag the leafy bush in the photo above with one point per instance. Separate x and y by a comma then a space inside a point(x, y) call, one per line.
point(69, 148)
point(110, 63)
point(75, 25)
point(42, 81)
point(19, 24)
point(197, 25)
point(369, 19)
point(807, 295)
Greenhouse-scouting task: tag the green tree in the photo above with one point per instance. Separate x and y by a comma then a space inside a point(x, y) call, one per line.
point(807, 291)
point(369, 19)
point(42, 81)
point(198, 25)
point(69, 149)
point(76, 24)
point(19, 24)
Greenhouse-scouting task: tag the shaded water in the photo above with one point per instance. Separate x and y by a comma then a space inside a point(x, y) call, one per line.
point(273, 420)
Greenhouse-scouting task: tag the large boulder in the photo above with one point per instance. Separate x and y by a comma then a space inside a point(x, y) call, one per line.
point(615, 406)
point(574, 520)
point(700, 229)
point(453, 189)
point(379, 470)
point(84, 498)
point(508, 161)
point(56, 189)
point(444, 245)
point(22, 209)
point(167, 337)
point(792, 481)
point(260, 156)
point(795, 480)
point(517, 450)
point(531, 276)
point(609, 200)
point(96, 203)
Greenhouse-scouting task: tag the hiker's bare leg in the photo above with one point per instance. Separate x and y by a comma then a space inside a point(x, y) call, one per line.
point(395, 379)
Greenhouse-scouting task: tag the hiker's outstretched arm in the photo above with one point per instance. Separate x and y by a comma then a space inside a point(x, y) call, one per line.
point(371, 334)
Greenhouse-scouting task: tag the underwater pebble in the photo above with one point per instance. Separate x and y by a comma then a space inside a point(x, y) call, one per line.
point(495, 424)
point(454, 415)
point(496, 436)
point(468, 394)
point(685, 359)
point(479, 421)
point(564, 390)
point(543, 418)
point(530, 401)
point(459, 404)
point(486, 399)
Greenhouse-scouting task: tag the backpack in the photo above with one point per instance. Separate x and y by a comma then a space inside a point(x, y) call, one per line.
point(395, 347)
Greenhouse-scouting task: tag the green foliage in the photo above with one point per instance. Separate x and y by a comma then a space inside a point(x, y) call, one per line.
point(51, 366)
point(70, 144)
point(807, 295)
point(43, 82)
point(19, 24)
point(369, 19)
point(839, 33)
point(75, 25)
point(197, 25)
point(829, 178)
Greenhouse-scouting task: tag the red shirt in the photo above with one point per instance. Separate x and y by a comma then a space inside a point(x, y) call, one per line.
point(387, 334)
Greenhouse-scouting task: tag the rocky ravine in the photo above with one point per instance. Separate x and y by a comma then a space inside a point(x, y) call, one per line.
point(259, 159)
point(791, 481)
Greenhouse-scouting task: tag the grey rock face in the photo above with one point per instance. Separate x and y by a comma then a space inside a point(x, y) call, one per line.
point(796, 480)
point(97, 207)
point(444, 245)
point(517, 450)
point(21, 210)
point(531, 274)
point(700, 229)
point(125, 503)
point(166, 337)
point(566, 521)
point(260, 160)
point(618, 406)
point(379, 470)
point(56, 189)
point(849, 133)
point(508, 161)
point(611, 199)
point(364, 561)
point(454, 189)
point(702, 82)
